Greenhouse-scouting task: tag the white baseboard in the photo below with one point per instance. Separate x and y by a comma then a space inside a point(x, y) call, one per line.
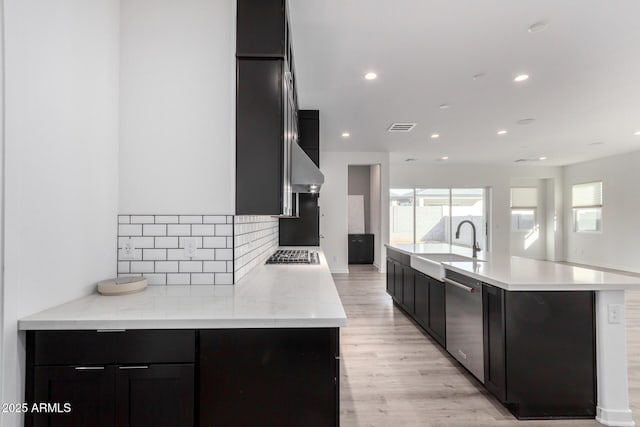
point(613, 417)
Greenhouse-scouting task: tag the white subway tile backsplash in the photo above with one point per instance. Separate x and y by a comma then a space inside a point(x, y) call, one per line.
point(177, 254)
point(214, 219)
point(166, 219)
point(129, 230)
point(124, 219)
point(214, 242)
point(190, 219)
point(215, 266)
point(166, 242)
point(254, 239)
point(142, 267)
point(154, 229)
point(138, 242)
point(224, 230)
point(204, 230)
point(154, 254)
point(205, 254)
point(190, 266)
point(155, 278)
point(137, 255)
point(179, 230)
point(142, 219)
point(166, 266)
point(178, 279)
point(123, 266)
point(224, 279)
point(224, 254)
point(202, 279)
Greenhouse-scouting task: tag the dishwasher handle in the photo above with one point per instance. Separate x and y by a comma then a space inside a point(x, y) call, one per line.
point(460, 285)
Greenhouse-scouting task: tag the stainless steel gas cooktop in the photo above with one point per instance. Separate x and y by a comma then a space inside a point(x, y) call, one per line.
point(294, 256)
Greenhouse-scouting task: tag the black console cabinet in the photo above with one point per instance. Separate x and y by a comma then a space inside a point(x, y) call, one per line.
point(361, 248)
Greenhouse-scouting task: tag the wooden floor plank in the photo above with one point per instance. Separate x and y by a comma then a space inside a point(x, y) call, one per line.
point(393, 374)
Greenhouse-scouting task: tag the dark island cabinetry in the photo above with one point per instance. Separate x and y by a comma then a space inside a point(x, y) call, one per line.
point(419, 295)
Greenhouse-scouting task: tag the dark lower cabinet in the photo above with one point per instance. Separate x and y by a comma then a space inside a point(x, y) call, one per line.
point(398, 283)
point(421, 302)
point(493, 322)
point(275, 377)
point(155, 395)
point(89, 391)
point(550, 354)
point(437, 320)
point(361, 248)
point(391, 277)
point(408, 291)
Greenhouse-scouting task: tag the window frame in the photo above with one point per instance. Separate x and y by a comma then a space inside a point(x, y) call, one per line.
point(597, 207)
point(535, 219)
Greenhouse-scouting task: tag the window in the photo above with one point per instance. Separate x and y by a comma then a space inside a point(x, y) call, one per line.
point(431, 215)
point(524, 204)
point(586, 200)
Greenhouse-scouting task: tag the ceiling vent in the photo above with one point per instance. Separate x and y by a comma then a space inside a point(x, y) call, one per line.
point(401, 127)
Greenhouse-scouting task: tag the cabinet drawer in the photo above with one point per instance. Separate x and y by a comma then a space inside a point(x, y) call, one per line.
point(120, 347)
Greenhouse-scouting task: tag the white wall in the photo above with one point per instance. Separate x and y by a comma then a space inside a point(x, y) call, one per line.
point(177, 106)
point(333, 203)
point(618, 245)
point(61, 111)
point(376, 210)
point(497, 177)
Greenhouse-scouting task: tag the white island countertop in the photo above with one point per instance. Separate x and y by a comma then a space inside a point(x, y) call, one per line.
point(514, 273)
point(270, 296)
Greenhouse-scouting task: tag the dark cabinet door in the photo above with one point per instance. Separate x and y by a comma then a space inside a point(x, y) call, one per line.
point(408, 291)
point(494, 341)
point(360, 248)
point(268, 377)
point(421, 300)
point(437, 320)
point(155, 395)
point(304, 230)
point(90, 392)
point(391, 277)
point(399, 282)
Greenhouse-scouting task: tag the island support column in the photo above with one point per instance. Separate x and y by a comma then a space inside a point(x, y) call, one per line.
point(611, 359)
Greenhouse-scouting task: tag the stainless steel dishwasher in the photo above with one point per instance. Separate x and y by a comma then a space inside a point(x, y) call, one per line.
point(464, 322)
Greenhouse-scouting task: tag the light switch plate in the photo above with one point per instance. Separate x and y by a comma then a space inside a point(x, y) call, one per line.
point(190, 247)
point(615, 313)
point(128, 250)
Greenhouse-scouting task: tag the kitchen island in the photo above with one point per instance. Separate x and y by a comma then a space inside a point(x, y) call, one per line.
point(553, 335)
point(265, 348)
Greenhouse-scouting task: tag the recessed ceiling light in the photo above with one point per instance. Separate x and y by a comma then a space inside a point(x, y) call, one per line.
point(527, 121)
point(444, 158)
point(444, 106)
point(435, 136)
point(538, 26)
point(346, 134)
point(637, 133)
point(478, 76)
point(371, 76)
point(542, 158)
point(502, 132)
point(521, 77)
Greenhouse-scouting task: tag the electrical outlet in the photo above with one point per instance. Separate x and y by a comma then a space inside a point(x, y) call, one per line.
point(190, 247)
point(615, 313)
point(128, 250)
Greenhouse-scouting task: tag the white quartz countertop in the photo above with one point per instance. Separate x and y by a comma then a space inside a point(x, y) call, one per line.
point(523, 274)
point(270, 296)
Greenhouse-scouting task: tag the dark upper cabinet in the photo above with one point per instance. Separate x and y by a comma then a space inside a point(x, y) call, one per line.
point(266, 109)
point(305, 229)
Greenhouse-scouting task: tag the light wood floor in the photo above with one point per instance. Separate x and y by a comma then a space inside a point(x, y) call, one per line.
point(393, 374)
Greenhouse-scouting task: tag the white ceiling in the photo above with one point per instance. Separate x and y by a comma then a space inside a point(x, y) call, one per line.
point(584, 86)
